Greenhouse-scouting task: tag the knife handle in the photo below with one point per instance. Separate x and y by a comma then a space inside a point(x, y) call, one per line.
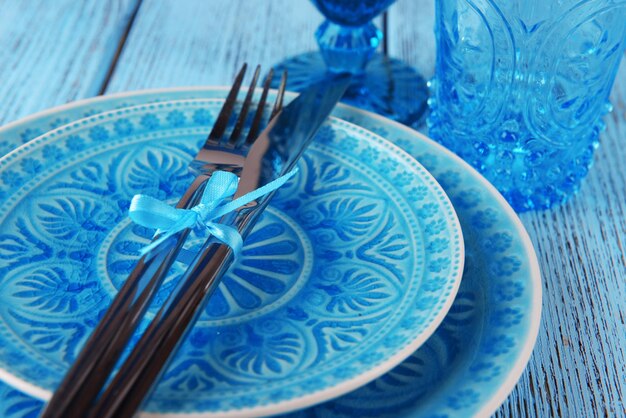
point(150, 356)
point(98, 357)
point(134, 381)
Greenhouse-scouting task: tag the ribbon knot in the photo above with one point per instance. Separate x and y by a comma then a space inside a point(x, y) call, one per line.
point(222, 185)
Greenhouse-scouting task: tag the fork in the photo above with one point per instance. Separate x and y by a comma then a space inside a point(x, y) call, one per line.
point(274, 154)
point(89, 373)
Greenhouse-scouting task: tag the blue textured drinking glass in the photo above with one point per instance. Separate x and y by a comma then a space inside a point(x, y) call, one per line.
point(348, 41)
point(520, 88)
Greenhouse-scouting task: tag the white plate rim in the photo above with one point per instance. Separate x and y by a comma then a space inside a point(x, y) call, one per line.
point(497, 398)
point(296, 403)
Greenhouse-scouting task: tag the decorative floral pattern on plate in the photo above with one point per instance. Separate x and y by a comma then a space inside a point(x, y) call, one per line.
point(345, 275)
point(451, 375)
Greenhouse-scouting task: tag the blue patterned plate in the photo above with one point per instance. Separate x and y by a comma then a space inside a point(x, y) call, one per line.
point(350, 270)
point(471, 363)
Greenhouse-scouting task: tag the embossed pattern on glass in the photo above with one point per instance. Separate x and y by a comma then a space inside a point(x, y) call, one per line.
point(520, 89)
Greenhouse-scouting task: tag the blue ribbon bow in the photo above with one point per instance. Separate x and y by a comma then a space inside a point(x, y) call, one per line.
point(152, 213)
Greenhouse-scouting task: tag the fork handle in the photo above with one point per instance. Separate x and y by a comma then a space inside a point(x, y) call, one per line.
point(98, 357)
point(150, 356)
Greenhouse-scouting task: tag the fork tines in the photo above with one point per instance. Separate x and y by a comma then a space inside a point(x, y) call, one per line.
point(221, 124)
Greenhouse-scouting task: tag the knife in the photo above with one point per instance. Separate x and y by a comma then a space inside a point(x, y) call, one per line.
point(274, 153)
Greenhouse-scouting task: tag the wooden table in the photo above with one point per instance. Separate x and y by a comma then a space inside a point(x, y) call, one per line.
point(54, 52)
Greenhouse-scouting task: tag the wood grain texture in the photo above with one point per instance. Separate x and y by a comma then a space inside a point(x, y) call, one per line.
point(52, 52)
point(204, 42)
point(578, 368)
point(410, 35)
point(215, 39)
point(52, 55)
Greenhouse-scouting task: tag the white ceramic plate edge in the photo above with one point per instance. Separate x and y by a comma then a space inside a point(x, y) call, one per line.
point(492, 404)
point(287, 405)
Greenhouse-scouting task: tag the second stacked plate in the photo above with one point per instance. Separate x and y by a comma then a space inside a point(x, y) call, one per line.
point(470, 364)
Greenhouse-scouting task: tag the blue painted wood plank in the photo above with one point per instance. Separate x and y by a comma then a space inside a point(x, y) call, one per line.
point(410, 34)
point(52, 52)
point(578, 368)
point(579, 365)
point(205, 42)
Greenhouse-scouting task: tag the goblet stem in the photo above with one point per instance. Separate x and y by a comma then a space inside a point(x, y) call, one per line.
point(347, 48)
point(347, 43)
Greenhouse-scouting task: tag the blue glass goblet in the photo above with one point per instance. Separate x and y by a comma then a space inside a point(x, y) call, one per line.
point(348, 41)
